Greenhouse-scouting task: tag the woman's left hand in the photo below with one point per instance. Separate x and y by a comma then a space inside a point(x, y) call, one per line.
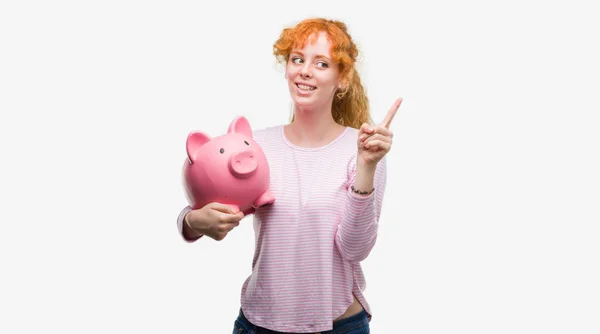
point(374, 142)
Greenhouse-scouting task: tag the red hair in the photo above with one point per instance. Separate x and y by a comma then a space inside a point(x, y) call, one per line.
point(351, 105)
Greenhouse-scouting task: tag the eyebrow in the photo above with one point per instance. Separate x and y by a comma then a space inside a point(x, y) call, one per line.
point(318, 56)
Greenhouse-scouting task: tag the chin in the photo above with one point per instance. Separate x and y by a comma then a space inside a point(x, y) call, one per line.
point(304, 102)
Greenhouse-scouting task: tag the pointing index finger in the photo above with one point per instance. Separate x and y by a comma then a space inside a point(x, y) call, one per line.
point(391, 113)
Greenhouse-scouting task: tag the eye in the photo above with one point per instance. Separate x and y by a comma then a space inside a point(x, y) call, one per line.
point(322, 64)
point(222, 151)
point(296, 60)
point(247, 143)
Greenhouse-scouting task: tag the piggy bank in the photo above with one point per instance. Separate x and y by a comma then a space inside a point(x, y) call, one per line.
point(230, 169)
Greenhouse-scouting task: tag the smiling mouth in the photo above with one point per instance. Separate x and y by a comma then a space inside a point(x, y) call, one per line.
point(305, 87)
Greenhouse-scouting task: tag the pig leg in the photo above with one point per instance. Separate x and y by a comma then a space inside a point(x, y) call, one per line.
point(264, 199)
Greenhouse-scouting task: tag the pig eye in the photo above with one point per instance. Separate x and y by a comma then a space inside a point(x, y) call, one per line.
point(246, 143)
point(221, 150)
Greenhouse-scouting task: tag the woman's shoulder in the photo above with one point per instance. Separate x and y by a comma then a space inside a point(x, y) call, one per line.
point(349, 137)
point(269, 129)
point(351, 132)
point(266, 134)
point(265, 130)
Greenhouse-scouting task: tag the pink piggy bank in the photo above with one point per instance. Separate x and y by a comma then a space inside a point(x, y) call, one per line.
point(230, 169)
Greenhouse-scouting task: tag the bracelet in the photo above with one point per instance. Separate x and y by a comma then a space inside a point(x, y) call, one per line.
point(360, 191)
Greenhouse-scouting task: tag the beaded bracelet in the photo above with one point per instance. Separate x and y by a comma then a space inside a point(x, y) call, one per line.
point(360, 191)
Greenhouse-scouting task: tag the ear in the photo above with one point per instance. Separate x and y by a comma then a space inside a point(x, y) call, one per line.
point(193, 143)
point(240, 125)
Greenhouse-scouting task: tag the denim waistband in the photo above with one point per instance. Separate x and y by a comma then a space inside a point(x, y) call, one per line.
point(356, 320)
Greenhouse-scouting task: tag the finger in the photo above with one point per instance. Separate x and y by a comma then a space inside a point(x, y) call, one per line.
point(227, 218)
point(391, 113)
point(231, 226)
point(365, 128)
point(381, 133)
point(226, 208)
point(378, 136)
point(378, 145)
point(374, 138)
point(380, 130)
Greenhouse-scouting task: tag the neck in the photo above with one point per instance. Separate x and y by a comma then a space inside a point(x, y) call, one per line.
point(313, 127)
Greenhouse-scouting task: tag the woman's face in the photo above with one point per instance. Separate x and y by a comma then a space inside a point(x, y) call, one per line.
point(311, 74)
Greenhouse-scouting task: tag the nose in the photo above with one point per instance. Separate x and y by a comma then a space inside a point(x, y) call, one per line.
point(305, 71)
point(243, 164)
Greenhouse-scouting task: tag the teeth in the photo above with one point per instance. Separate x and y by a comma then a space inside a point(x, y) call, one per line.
point(305, 87)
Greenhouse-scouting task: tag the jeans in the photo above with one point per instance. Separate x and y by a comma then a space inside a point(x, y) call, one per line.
point(356, 324)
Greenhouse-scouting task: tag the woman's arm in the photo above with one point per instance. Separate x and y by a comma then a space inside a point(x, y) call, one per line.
point(214, 220)
point(187, 233)
point(357, 231)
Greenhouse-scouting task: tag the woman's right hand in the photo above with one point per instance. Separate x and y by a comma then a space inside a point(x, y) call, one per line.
point(214, 220)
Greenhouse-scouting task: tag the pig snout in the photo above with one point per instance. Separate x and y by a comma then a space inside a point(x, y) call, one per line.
point(243, 164)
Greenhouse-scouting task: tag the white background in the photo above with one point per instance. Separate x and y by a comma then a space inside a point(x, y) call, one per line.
point(490, 221)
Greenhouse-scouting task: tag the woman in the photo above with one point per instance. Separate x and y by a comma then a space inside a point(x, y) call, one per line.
point(328, 175)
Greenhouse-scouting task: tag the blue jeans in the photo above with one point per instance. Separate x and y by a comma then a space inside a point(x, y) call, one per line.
point(356, 324)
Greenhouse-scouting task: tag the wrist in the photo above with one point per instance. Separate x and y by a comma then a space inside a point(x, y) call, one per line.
point(366, 167)
point(191, 229)
point(365, 192)
point(364, 179)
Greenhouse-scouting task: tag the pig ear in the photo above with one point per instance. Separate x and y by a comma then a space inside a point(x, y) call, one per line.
point(240, 125)
point(193, 143)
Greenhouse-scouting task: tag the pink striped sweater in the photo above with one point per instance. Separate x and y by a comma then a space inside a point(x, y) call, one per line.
point(310, 242)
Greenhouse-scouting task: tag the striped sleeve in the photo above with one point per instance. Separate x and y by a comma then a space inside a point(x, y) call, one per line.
point(180, 223)
point(357, 231)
